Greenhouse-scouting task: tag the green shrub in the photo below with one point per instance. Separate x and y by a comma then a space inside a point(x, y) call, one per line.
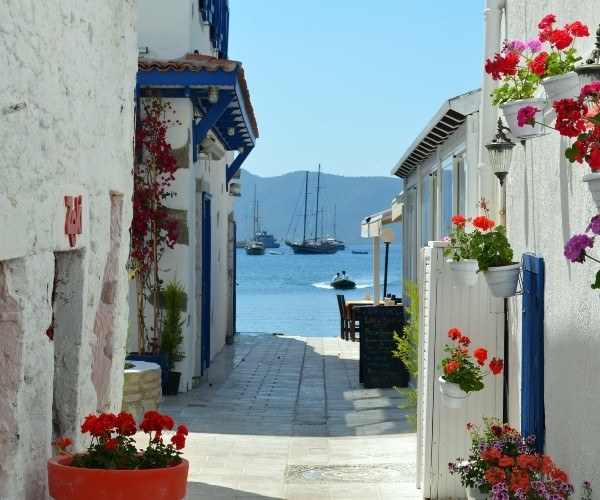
point(407, 349)
point(171, 343)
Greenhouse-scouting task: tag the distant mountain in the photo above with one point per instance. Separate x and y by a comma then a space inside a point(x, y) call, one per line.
point(352, 198)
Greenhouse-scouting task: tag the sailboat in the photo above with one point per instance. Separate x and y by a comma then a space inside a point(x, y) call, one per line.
point(316, 246)
point(255, 247)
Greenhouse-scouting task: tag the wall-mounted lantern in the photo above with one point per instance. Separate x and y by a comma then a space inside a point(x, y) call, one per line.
point(500, 153)
point(590, 71)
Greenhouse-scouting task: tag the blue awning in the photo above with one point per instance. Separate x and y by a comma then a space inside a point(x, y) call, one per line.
point(195, 77)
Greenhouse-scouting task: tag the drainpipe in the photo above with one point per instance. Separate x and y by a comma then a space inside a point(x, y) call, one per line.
point(488, 114)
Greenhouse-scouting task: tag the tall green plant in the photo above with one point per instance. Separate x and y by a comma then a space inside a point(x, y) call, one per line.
point(171, 343)
point(407, 349)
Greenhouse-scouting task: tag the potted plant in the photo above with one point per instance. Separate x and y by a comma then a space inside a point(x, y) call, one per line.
point(503, 464)
point(559, 79)
point(495, 256)
point(519, 70)
point(579, 118)
point(460, 375)
point(575, 249)
point(112, 467)
point(171, 344)
point(463, 265)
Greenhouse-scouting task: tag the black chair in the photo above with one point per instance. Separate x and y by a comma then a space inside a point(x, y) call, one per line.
point(347, 329)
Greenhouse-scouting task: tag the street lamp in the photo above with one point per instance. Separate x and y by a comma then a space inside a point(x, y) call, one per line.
point(500, 152)
point(387, 235)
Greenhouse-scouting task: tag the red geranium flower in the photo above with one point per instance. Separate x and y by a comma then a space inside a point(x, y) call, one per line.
point(538, 64)
point(519, 479)
point(496, 366)
point(61, 444)
point(577, 28)
point(465, 341)
point(182, 429)
point(451, 366)
point(561, 39)
point(547, 22)
point(506, 462)
point(482, 222)
point(497, 430)
point(111, 444)
point(455, 334)
point(480, 355)
point(492, 454)
point(178, 440)
point(459, 221)
point(494, 475)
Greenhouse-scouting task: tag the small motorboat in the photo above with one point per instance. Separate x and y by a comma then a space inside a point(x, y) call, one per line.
point(275, 253)
point(360, 252)
point(342, 282)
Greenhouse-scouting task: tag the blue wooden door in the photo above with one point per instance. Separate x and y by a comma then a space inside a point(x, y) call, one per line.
point(206, 271)
point(532, 367)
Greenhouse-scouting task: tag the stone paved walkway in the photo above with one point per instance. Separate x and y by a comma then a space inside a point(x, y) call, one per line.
point(285, 417)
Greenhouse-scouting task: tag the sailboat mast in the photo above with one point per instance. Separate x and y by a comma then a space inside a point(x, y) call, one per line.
point(255, 214)
point(334, 217)
point(305, 207)
point(317, 214)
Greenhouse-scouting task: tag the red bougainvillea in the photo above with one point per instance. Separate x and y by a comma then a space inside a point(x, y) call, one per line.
point(152, 229)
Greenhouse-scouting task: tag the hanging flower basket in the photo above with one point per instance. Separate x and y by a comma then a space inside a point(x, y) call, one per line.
point(527, 131)
point(593, 182)
point(70, 483)
point(476, 494)
point(452, 395)
point(464, 272)
point(502, 281)
point(561, 87)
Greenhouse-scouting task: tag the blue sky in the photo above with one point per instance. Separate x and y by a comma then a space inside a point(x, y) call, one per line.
point(349, 84)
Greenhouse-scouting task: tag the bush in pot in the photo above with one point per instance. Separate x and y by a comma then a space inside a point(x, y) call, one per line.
point(113, 468)
point(171, 343)
point(463, 263)
point(461, 375)
point(495, 256)
point(503, 464)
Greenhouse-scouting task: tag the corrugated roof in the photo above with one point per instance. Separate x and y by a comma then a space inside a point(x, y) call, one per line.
point(445, 122)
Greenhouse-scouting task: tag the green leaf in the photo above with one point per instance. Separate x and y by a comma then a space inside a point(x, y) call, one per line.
point(596, 284)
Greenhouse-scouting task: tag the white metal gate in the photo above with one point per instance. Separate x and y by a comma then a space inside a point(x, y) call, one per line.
point(441, 434)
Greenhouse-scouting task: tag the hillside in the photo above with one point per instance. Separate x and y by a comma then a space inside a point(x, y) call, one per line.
point(353, 198)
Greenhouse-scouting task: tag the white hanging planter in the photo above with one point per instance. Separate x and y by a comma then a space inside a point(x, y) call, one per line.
point(510, 110)
point(502, 281)
point(475, 494)
point(561, 86)
point(452, 395)
point(464, 272)
point(593, 182)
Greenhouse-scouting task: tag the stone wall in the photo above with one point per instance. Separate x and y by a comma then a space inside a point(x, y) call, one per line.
point(142, 389)
point(73, 64)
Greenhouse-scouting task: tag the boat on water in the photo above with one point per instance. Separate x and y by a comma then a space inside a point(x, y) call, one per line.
point(240, 244)
point(255, 247)
point(360, 252)
point(275, 253)
point(268, 240)
point(342, 282)
point(316, 246)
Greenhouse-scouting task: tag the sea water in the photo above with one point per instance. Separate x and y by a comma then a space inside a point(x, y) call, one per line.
point(291, 294)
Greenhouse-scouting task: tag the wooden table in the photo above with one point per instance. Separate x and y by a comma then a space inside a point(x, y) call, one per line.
point(351, 314)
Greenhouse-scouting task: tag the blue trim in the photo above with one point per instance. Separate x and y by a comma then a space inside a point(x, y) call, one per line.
point(237, 163)
point(207, 122)
point(234, 276)
point(206, 284)
point(155, 78)
point(532, 365)
point(244, 111)
point(216, 14)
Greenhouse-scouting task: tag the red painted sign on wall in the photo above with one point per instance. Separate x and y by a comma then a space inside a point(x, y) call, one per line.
point(73, 220)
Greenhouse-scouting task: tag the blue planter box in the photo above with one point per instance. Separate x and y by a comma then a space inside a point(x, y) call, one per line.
point(159, 359)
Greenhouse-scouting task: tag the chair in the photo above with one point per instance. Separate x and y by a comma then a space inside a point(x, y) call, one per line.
point(347, 329)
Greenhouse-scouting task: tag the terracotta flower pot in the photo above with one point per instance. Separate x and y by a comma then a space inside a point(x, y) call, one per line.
point(71, 483)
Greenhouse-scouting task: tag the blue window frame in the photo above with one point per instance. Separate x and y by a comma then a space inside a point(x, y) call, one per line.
point(215, 13)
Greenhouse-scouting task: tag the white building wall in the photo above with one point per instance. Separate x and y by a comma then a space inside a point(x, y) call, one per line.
point(547, 203)
point(173, 31)
point(73, 63)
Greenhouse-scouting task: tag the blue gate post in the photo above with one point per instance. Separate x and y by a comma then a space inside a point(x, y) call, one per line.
point(532, 392)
